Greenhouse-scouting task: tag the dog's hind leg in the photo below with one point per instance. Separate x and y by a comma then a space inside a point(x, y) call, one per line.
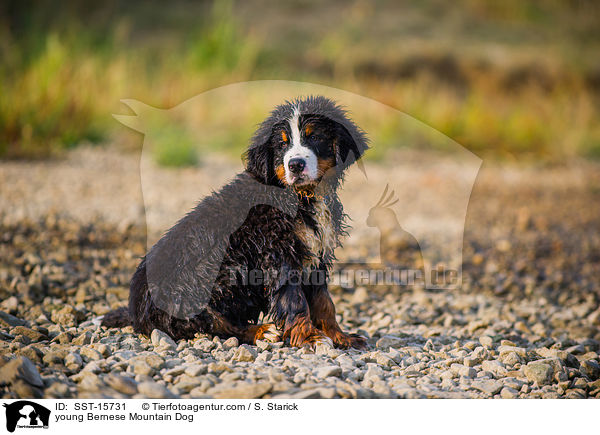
point(245, 334)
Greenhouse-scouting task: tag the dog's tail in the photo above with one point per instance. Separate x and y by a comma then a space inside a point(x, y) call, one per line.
point(118, 318)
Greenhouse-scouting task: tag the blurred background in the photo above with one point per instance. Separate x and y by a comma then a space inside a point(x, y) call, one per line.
point(516, 80)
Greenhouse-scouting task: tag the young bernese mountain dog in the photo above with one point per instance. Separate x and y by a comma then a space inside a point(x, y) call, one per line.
point(263, 244)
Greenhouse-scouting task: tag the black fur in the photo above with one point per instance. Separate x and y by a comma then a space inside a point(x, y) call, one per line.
point(195, 278)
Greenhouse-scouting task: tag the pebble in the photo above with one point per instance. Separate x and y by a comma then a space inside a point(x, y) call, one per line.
point(154, 390)
point(490, 387)
point(162, 340)
point(509, 393)
point(20, 368)
point(243, 390)
point(122, 384)
point(486, 341)
point(495, 367)
point(327, 371)
point(244, 353)
point(230, 343)
point(538, 372)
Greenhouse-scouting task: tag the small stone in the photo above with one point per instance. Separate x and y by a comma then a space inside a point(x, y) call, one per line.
point(263, 345)
point(513, 383)
point(154, 360)
point(505, 349)
point(32, 352)
point(374, 372)
point(162, 340)
point(328, 371)
point(447, 375)
point(102, 348)
point(83, 339)
point(29, 333)
point(20, 368)
point(510, 358)
point(468, 372)
point(245, 353)
point(384, 360)
point(141, 367)
point(308, 394)
point(10, 304)
point(57, 390)
point(539, 373)
point(154, 390)
point(327, 393)
point(67, 316)
point(90, 382)
point(470, 361)
point(388, 341)
point(195, 370)
point(509, 393)
point(230, 343)
point(243, 390)
point(488, 386)
point(63, 338)
point(495, 367)
point(486, 341)
point(10, 321)
point(73, 361)
point(480, 353)
point(122, 384)
point(578, 349)
point(90, 354)
point(591, 369)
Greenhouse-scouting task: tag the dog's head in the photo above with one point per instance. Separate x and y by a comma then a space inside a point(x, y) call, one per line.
point(304, 142)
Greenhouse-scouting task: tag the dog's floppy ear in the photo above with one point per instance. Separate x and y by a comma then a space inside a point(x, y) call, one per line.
point(259, 161)
point(349, 147)
point(259, 157)
point(351, 142)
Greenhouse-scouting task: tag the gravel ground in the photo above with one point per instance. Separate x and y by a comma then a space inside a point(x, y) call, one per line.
point(525, 323)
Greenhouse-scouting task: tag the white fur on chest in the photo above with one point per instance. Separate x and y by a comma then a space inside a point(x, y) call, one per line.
point(320, 242)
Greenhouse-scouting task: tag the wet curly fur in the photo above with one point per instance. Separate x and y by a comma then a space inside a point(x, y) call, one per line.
point(285, 235)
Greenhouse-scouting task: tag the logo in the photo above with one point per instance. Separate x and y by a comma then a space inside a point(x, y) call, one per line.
point(25, 414)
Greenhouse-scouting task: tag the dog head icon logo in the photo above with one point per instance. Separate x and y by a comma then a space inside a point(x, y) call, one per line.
point(26, 414)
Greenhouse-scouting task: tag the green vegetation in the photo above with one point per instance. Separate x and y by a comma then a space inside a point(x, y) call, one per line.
point(512, 79)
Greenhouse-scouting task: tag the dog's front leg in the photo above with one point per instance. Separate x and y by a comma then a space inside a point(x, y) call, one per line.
point(322, 312)
point(291, 313)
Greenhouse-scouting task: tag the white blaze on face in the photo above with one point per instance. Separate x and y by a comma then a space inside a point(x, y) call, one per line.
point(297, 150)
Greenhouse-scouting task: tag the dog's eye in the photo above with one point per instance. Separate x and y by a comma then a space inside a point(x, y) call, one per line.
point(314, 139)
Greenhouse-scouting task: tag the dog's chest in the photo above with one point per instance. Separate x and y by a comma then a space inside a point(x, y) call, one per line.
point(319, 241)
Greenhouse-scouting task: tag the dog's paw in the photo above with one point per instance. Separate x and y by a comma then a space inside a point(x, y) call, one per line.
point(268, 332)
point(317, 339)
point(346, 341)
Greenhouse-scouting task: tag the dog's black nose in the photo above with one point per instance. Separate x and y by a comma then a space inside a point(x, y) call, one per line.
point(296, 165)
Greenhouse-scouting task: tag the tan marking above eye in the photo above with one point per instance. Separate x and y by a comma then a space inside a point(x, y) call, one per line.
point(284, 136)
point(308, 129)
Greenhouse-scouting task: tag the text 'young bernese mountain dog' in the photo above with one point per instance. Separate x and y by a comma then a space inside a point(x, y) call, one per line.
point(263, 244)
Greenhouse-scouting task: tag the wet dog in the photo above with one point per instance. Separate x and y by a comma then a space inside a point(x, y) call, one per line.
point(262, 245)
